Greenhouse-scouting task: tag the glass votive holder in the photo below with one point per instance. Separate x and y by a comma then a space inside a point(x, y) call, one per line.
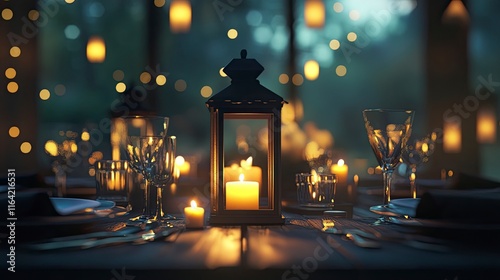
point(316, 190)
point(112, 181)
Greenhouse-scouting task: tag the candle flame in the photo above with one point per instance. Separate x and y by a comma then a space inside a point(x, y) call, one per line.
point(341, 162)
point(193, 204)
point(247, 163)
point(242, 177)
point(96, 50)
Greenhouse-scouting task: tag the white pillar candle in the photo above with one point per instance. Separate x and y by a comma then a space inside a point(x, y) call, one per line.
point(194, 215)
point(341, 170)
point(242, 195)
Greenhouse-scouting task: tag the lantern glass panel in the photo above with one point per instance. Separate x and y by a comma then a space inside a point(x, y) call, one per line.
point(247, 184)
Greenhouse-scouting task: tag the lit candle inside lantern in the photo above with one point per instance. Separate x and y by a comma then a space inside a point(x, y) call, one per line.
point(341, 170)
point(314, 13)
point(242, 195)
point(486, 125)
point(194, 215)
point(452, 137)
point(250, 172)
point(96, 50)
point(182, 167)
point(180, 16)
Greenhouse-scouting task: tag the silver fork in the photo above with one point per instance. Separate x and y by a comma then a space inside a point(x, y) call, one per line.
point(360, 238)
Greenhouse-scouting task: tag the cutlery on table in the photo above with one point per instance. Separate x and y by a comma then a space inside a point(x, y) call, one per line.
point(127, 230)
point(151, 233)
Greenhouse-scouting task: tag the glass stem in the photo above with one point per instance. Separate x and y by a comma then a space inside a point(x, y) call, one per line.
point(148, 210)
point(387, 185)
point(413, 186)
point(159, 204)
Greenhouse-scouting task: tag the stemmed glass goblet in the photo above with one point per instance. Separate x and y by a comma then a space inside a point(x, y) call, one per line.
point(163, 174)
point(388, 131)
point(416, 153)
point(145, 136)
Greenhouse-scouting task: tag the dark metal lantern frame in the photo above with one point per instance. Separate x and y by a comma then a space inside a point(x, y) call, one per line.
point(245, 99)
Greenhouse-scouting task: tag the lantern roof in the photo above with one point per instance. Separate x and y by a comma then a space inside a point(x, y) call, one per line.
point(245, 89)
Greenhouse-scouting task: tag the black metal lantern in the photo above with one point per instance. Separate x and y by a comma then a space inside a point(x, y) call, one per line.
point(245, 148)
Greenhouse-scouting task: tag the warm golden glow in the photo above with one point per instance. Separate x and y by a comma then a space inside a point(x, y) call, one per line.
point(206, 91)
point(341, 162)
point(232, 33)
point(180, 85)
point(7, 14)
point(96, 50)
point(161, 80)
point(314, 13)
point(425, 148)
point(51, 148)
point(283, 78)
point(452, 137)
point(14, 131)
point(338, 7)
point(73, 147)
point(456, 13)
point(121, 87)
point(25, 147)
point(159, 3)
point(450, 173)
point(434, 136)
point(180, 16)
point(334, 44)
point(44, 94)
point(179, 160)
point(352, 36)
point(69, 1)
point(193, 204)
point(341, 70)
point(10, 73)
point(33, 15)
point(311, 70)
point(181, 167)
point(98, 155)
point(145, 77)
point(15, 51)
point(312, 151)
point(486, 127)
point(12, 87)
point(297, 79)
point(85, 136)
point(221, 72)
point(287, 113)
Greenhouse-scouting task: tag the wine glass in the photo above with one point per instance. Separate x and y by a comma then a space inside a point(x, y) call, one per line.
point(416, 153)
point(145, 136)
point(388, 131)
point(163, 174)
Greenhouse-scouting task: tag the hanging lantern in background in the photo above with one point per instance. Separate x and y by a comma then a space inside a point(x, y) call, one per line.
point(314, 13)
point(96, 49)
point(180, 16)
point(452, 137)
point(311, 70)
point(486, 126)
point(456, 13)
point(253, 197)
